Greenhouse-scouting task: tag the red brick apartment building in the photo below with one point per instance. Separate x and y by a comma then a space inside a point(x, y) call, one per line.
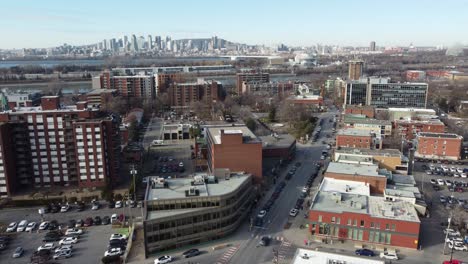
point(139, 86)
point(164, 80)
point(354, 138)
point(181, 95)
point(56, 145)
point(442, 146)
point(366, 110)
point(409, 128)
point(235, 148)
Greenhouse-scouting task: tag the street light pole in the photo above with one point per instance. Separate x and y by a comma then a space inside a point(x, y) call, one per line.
point(446, 232)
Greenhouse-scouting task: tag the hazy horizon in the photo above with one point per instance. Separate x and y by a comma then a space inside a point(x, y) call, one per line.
point(42, 24)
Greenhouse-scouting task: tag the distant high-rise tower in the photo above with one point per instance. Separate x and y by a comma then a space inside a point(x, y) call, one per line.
point(355, 69)
point(372, 46)
point(150, 42)
point(134, 43)
point(125, 43)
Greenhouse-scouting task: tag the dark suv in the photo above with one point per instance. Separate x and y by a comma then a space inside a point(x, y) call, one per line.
point(191, 253)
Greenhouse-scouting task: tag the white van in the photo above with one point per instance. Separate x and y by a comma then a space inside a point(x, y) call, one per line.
point(22, 226)
point(114, 218)
point(157, 142)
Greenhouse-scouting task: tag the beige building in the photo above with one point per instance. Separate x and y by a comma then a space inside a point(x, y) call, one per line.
point(390, 159)
point(355, 69)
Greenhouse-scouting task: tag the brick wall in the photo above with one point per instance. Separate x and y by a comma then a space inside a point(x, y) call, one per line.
point(354, 141)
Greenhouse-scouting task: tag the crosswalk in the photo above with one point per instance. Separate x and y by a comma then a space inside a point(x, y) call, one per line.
point(226, 257)
point(284, 250)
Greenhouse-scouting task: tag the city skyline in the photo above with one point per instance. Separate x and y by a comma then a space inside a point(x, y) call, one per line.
point(29, 24)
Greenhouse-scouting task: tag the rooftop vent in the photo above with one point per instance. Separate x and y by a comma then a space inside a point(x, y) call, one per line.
point(198, 180)
point(193, 191)
point(158, 183)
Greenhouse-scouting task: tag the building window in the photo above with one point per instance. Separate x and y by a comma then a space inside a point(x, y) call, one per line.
point(349, 221)
point(387, 226)
point(371, 224)
point(338, 220)
point(377, 225)
point(393, 227)
point(320, 218)
point(354, 222)
point(362, 223)
point(333, 219)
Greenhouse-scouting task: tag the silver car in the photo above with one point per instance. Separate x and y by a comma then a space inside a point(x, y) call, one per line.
point(18, 252)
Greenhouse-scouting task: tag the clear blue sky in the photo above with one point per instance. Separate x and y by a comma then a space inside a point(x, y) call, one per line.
point(45, 23)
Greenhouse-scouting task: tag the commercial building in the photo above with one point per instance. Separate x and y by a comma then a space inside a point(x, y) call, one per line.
point(100, 97)
point(409, 128)
point(367, 110)
point(355, 69)
point(411, 114)
point(276, 89)
point(371, 175)
point(344, 210)
point(379, 92)
point(251, 77)
point(438, 146)
point(372, 46)
point(279, 146)
point(235, 148)
point(56, 145)
point(390, 159)
point(380, 127)
point(308, 256)
point(418, 76)
point(183, 212)
point(356, 138)
point(176, 131)
point(10, 100)
point(182, 95)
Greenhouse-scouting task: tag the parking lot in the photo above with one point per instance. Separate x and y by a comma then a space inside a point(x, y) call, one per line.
point(174, 160)
point(90, 247)
point(432, 235)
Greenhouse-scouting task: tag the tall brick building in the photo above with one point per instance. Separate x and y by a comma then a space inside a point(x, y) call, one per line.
point(367, 110)
point(235, 148)
point(181, 95)
point(140, 85)
point(56, 145)
point(247, 78)
point(442, 146)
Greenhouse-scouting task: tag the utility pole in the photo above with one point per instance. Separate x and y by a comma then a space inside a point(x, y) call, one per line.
point(133, 172)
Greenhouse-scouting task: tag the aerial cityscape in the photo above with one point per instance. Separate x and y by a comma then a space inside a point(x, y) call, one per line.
point(290, 133)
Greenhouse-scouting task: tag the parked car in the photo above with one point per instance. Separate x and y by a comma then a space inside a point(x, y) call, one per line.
point(31, 226)
point(118, 204)
point(440, 182)
point(47, 246)
point(460, 246)
point(81, 206)
point(390, 254)
point(163, 260)
point(68, 241)
point(18, 252)
point(97, 220)
point(113, 252)
point(364, 252)
point(63, 254)
point(452, 232)
point(89, 221)
point(12, 227)
point(22, 226)
point(95, 205)
point(433, 181)
point(44, 225)
point(293, 212)
point(261, 214)
point(64, 208)
point(118, 236)
point(191, 253)
point(74, 231)
point(111, 204)
point(79, 223)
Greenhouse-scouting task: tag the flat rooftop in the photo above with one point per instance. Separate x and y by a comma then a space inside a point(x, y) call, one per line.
point(320, 257)
point(401, 210)
point(399, 179)
point(38, 109)
point(247, 135)
point(422, 122)
point(370, 152)
point(176, 187)
point(439, 135)
point(375, 206)
point(343, 186)
point(420, 110)
point(100, 91)
point(353, 119)
point(354, 132)
point(279, 141)
point(340, 202)
point(354, 169)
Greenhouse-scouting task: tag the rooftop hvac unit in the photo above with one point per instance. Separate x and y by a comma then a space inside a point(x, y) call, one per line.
point(193, 191)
